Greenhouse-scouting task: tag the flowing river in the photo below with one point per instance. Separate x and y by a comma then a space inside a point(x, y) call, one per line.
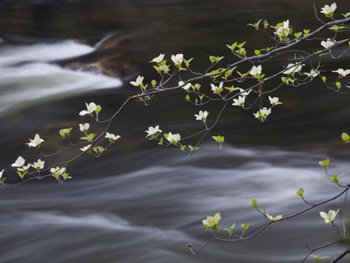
point(140, 202)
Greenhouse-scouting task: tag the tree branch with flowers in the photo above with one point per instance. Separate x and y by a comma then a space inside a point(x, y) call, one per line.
point(236, 80)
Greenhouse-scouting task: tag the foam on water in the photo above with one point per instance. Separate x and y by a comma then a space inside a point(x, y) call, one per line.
point(27, 74)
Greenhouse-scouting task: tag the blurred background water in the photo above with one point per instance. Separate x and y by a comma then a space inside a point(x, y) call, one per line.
point(140, 203)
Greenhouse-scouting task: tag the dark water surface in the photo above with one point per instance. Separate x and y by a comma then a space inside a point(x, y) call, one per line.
point(140, 203)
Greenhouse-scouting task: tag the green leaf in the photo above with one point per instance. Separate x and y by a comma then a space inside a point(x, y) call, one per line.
point(65, 132)
point(306, 32)
point(300, 192)
point(219, 139)
point(22, 174)
point(98, 109)
point(242, 51)
point(98, 149)
point(90, 137)
point(319, 258)
point(298, 35)
point(193, 148)
point(255, 203)
point(232, 89)
point(240, 45)
point(334, 179)
point(345, 137)
point(280, 24)
point(266, 24)
point(242, 75)
point(2, 181)
point(188, 62)
point(217, 73)
point(229, 72)
point(196, 87)
point(244, 226)
point(214, 59)
point(257, 52)
point(324, 78)
point(231, 229)
point(154, 83)
point(233, 46)
point(256, 25)
point(182, 148)
point(346, 14)
point(337, 28)
point(66, 176)
point(325, 163)
point(338, 84)
point(163, 68)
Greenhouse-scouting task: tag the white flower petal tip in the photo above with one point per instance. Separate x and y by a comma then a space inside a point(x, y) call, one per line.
point(158, 59)
point(274, 101)
point(330, 216)
point(153, 130)
point(184, 86)
point(138, 82)
point(35, 142)
point(19, 162)
point(202, 116)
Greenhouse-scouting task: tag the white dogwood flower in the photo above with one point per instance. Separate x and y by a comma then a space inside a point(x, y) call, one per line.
point(1, 173)
point(177, 59)
point(217, 89)
point(35, 142)
point(19, 162)
point(244, 92)
point(39, 164)
point(330, 216)
point(284, 30)
point(57, 171)
point(328, 43)
point(84, 127)
point(293, 68)
point(90, 108)
point(153, 130)
point(262, 114)
point(87, 147)
point(312, 74)
point(212, 221)
point(329, 10)
point(24, 167)
point(158, 59)
point(343, 73)
point(239, 102)
point(184, 86)
point(173, 138)
point(111, 136)
point(202, 116)
point(274, 101)
point(138, 82)
point(273, 218)
point(255, 71)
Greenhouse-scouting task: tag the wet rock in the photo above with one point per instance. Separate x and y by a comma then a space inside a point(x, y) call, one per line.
point(110, 58)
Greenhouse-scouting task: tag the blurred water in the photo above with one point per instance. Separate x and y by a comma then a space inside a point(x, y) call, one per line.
point(140, 203)
point(28, 74)
point(150, 214)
